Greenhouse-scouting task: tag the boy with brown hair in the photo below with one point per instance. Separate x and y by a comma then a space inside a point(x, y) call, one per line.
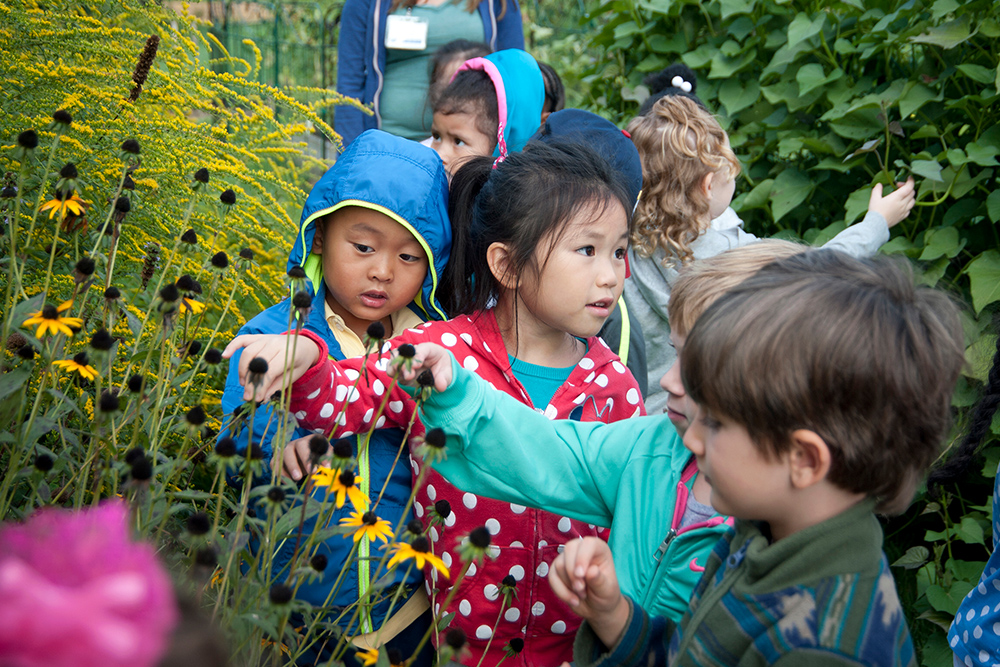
point(835, 422)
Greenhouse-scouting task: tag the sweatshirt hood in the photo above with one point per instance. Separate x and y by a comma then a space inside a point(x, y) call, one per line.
point(396, 177)
point(520, 96)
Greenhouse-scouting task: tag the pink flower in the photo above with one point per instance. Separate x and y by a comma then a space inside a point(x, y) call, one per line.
point(76, 591)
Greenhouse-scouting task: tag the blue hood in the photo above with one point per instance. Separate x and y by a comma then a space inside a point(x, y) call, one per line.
point(394, 176)
point(520, 96)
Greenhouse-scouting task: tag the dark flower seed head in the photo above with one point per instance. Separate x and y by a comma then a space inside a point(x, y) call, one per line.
point(198, 523)
point(376, 330)
point(8, 192)
point(318, 446)
point(206, 557)
point(108, 401)
point(415, 527)
point(49, 312)
point(170, 293)
point(193, 348)
point(69, 171)
point(112, 293)
point(128, 183)
point(318, 562)
point(407, 351)
point(85, 266)
point(63, 117)
point(102, 340)
point(435, 438)
point(369, 518)
point(296, 273)
point(301, 299)
point(26, 352)
point(132, 455)
point(257, 366)
point(228, 197)
point(425, 378)
point(201, 175)
point(142, 469)
point(343, 449)
point(226, 447)
point(131, 146)
point(421, 544)
point(220, 260)
point(455, 638)
point(509, 581)
point(196, 416)
point(44, 462)
point(81, 358)
point(213, 356)
point(276, 494)
point(347, 478)
point(516, 644)
point(190, 237)
point(443, 508)
point(480, 537)
point(185, 283)
point(247, 254)
point(135, 383)
point(28, 139)
point(280, 594)
point(123, 205)
point(256, 453)
point(395, 656)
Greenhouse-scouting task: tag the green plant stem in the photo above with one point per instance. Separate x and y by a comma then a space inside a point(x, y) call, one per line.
point(41, 187)
point(107, 221)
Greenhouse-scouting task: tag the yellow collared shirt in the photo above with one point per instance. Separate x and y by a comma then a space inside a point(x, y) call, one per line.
point(350, 343)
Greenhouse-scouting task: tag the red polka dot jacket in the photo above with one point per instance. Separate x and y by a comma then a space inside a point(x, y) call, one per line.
point(525, 541)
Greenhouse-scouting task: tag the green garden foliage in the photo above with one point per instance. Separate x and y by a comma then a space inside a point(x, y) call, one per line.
point(822, 101)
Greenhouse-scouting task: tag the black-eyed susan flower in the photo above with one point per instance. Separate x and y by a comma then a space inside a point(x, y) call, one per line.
point(199, 523)
point(368, 525)
point(343, 453)
point(190, 305)
point(477, 546)
point(431, 447)
point(368, 657)
point(62, 119)
point(80, 363)
point(318, 447)
point(343, 484)
point(513, 647)
point(228, 197)
point(318, 562)
point(64, 202)
point(420, 551)
point(44, 463)
point(50, 318)
point(280, 594)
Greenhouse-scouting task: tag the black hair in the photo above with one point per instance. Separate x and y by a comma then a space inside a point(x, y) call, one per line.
point(472, 92)
point(456, 49)
point(525, 198)
point(661, 84)
point(967, 452)
point(555, 94)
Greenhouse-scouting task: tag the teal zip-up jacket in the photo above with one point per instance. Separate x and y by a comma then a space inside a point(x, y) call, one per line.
point(631, 476)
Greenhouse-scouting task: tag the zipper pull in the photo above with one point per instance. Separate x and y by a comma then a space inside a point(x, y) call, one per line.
point(662, 549)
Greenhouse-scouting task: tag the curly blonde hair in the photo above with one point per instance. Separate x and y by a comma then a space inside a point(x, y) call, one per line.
point(679, 143)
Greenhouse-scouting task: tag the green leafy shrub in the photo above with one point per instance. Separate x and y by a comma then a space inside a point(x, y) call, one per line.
point(822, 101)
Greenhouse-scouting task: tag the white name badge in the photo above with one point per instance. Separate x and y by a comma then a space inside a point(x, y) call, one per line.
point(406, 33)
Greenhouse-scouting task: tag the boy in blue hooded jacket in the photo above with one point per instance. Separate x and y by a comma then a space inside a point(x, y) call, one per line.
point(373, 241)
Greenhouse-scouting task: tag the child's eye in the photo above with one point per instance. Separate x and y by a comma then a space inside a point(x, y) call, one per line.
point(409, 258)
point(620, 253)
point(710, 422)
point(587, 250)
point(361, 247)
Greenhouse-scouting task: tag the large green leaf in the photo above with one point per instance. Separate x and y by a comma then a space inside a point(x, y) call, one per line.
point(985, 156)
point(790, 189)
point(977, 73)
point(941, 242)
point(736, 94)
point(802, 27)
point(984, 276)
point(929, 169)
point(914, 96)
point(948, 35)
point(732, 7)
point(993, 205)
point(858, 125)
point(857, 204)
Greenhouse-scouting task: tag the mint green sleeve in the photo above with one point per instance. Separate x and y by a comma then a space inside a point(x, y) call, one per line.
point(501, 448)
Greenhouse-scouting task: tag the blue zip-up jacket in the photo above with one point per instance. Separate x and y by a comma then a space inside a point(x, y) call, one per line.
point(407, 182)
point(361, 55)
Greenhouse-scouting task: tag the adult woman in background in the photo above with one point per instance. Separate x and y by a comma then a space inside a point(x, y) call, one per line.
point(384, 52)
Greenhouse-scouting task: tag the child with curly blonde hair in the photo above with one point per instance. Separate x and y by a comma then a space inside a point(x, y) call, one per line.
point(689, 172)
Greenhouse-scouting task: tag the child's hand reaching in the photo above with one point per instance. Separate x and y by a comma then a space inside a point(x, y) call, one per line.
point(896, 206)
point(429, 356)
point(275, 350)
point(583, 576)
point(296, 458)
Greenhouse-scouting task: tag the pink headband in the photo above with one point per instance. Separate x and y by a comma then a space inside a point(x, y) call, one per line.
point(491, 71)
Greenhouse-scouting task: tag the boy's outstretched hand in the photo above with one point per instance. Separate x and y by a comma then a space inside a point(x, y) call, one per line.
point(895, 206)
point(583, 576)
point(429, 356)
point(275, 350)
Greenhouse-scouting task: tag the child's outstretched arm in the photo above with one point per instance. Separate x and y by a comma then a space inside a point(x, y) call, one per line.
point(583, 576)
point(274, 350)
point(895, 206)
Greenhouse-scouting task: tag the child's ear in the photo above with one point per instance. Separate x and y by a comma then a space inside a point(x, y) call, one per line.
point(498, 259)
point(318, 236)
point(809, 458)
point(706, 184)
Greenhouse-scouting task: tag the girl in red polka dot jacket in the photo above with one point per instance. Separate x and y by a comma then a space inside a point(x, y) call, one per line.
point(537, 265)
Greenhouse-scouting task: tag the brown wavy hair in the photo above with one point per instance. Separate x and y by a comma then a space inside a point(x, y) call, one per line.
point(679, 144)
point(470, 6)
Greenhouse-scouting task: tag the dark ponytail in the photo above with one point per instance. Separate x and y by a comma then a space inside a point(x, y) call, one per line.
point(967, 452)
point(521, 201)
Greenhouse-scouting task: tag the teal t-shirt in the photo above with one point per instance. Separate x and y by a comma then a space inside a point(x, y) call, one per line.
point(403, 102)
point(541, 382)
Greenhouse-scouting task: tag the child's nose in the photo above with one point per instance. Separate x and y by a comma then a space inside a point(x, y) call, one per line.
point(381, 268)
point(671, 380)
point(694, 437)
